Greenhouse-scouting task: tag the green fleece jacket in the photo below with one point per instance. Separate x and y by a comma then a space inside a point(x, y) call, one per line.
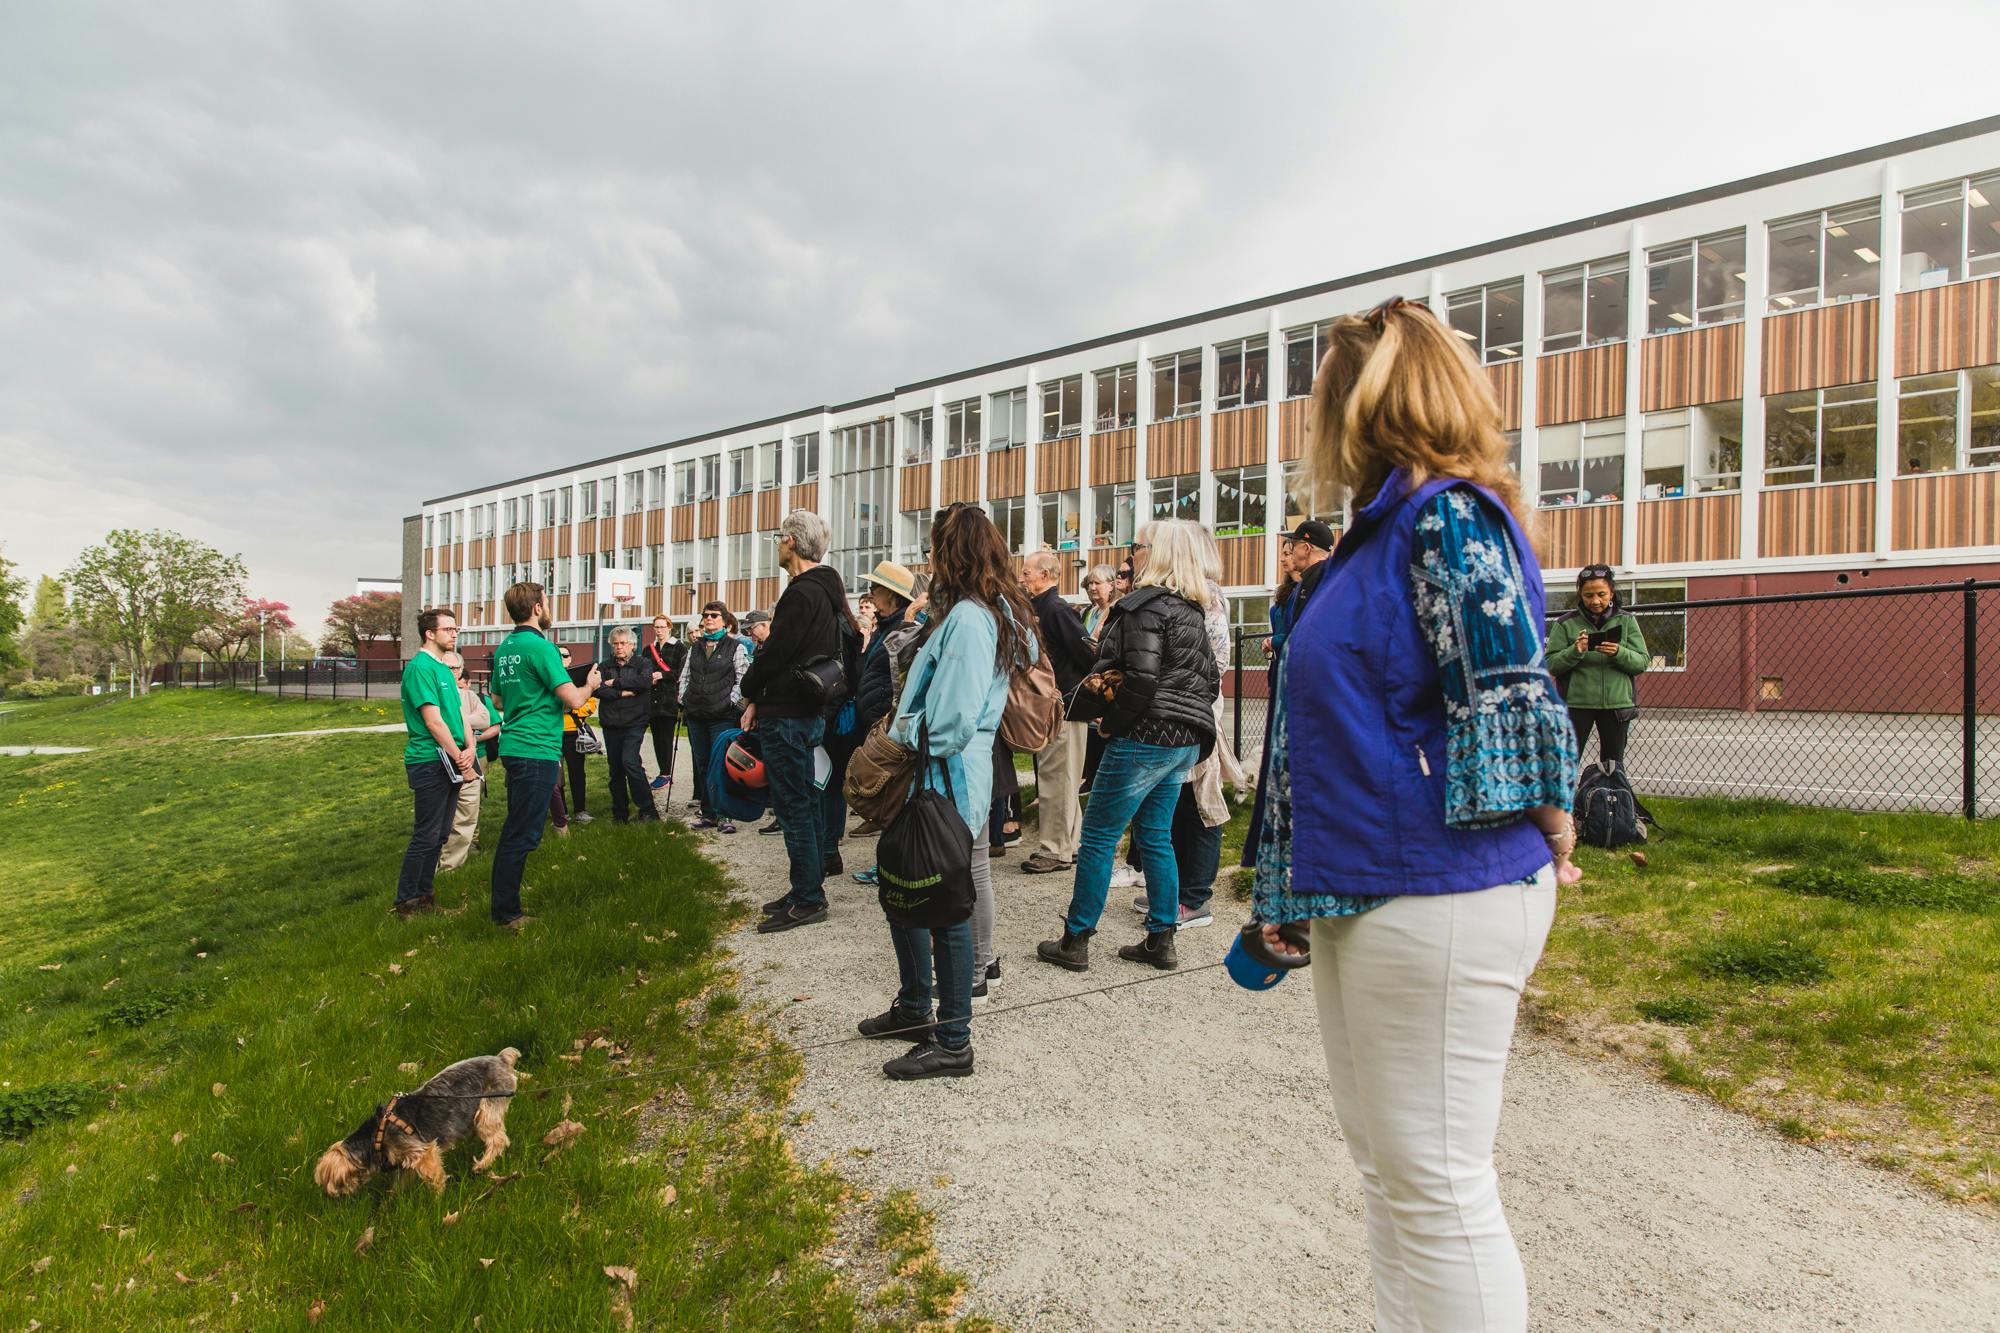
point(1597, 680)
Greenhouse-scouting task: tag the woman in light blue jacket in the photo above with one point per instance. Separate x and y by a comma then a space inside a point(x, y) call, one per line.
point(957, 687)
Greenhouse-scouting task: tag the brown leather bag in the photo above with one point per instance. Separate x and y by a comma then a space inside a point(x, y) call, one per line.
point(1034, 705)
point(879, 774)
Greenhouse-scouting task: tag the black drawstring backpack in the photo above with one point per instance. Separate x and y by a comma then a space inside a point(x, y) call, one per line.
point(924, 862)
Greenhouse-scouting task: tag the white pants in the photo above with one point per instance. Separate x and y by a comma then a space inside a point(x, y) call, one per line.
point(1416, 1010)
point(464, 825)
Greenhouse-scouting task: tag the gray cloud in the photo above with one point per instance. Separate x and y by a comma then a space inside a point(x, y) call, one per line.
point(270, 274)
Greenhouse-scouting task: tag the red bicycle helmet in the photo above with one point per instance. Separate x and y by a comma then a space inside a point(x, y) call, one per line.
point(745, 766)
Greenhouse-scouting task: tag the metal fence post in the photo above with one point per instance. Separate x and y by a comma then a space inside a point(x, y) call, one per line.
point(1237, 743)
point(1970, 741)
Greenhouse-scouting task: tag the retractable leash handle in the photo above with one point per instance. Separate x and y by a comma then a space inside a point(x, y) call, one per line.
point(1254, 965)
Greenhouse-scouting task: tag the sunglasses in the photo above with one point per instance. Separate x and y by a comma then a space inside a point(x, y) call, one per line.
point(1378, 318)
point(1594, 572)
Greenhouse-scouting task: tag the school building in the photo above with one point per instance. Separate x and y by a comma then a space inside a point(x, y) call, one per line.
point(1789, 382)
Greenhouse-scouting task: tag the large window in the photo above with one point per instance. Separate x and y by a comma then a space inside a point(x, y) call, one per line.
point(770, 464)
point(1489, 320)
point(1117, 397)
point(681, 555)
point(635, 492)
point(1826, 257)
point(1239, 501)
point(684, 481)
point(705, 551)
point(1303, 350)
point(1114, 517)
point(711, 477)
point(1951, 232)
point(1695, 282)
point(607, 498)
point(1298, 505)
point(512, 510)
point(1947, 422)
point(1692, 450)
point(918, 431)
point(1010, 515)
point(1584, 306)
point(1176, 385)
point(1062, 407)
point(1665, 631)
point(656, 566)
point(917, 534)
point(548, 499)
point(961, 428)
point(586, 499)
point(1240, 372)
point(656, 488)
point(739, 555)
point(1062, 523)
point(563, 504)
point(805, 458)
point(764, 555)
point(1007, 424)
point(742, 465)
point(1820, 435)
point(1582, 463)
point(1177, 497)
point(863, 483)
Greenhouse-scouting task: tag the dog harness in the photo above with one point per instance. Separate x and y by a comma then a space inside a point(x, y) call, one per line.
point(389, 1117)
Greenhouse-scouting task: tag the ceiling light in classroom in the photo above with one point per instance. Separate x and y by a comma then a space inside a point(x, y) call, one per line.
point(1869, 255)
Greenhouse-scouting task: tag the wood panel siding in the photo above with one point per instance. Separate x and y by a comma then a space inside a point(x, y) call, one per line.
point(1579, 535)
point(913, 488)
point(769, 511)
point(1580, 386)
point(1948, 328)
point(704, 593)
point(1107, 555)
point(607, 534)
point(1237, 437)
point(1683, 369)
point(708, 519)
point(565, 541)
point(1114, 456)
point(802, 496)
point(561, 609)
point(586, 539)
point(767, 594)
point(1007, 473)
point(1816, 349)
point(507, 545)
point(656, 602)
point(656, 526)
point(1242, 561)
point(958, 479)
point(430, 560)
point(632, 530)
point(1506, 381)
point(1817, 520)
point(683, 600)
point(683, 523)
point(1699, 527)
point(736, 594)
point(1059, 465)
point(1173, 448)
point(739, 512)
point(1294, 415)
point(1945, 511)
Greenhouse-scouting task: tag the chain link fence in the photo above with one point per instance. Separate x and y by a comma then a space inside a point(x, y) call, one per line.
point(1857, 699)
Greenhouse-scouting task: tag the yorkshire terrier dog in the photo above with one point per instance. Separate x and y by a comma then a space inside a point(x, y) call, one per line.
point(412, 1130)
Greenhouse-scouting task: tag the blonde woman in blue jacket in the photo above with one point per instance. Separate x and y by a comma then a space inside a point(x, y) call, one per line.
point(957, 687)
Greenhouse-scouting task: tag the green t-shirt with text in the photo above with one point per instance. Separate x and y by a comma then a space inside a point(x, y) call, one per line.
point(428, 681)
point(527, 668)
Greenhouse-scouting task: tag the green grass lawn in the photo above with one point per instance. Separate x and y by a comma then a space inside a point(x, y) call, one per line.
point(177, 714)
point(201, 990)
point(1835, 974)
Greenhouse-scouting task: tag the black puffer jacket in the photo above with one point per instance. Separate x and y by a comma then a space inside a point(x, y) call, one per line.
point(1159, 640)
point(877, 694)
point(625, 692)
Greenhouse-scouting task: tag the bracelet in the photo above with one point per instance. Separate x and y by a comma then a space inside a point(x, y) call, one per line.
point(1563, 841)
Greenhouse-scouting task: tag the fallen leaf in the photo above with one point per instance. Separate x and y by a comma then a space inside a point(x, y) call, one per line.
point(667, 1196)
point(219, 1089)
point(239, 1043)
point(600, 1044)
point(70, 1170)
point(1638, 858)
point(501, 1180)
point(221, 1157)
point(180, 1136)
point(183, 1278)
point(367, 1239)
point(395, 969)
point(314, 1311)
point(450, 1218)
point(410, 954)
point(244, 1208)
point(109, 984)
point(42, 1264)
point(51, 967)
point(203, 954)
point(486, 1263)
point(407, 1067)
point(565, 1133)
point(619, 1273)
point(800, 999)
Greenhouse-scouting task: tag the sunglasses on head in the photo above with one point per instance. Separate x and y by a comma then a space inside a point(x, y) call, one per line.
point(1378, 318)
point(1595, 572)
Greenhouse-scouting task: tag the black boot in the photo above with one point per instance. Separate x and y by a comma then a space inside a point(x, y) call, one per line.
point(1156, 949)
point(1072, 951)
point(830, 866)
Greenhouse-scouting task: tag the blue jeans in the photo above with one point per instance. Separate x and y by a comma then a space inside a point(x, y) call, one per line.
point(1137, 784)
point(628, 774)
point(1197, 851)
point(436, 798)
point(701, 741)
point(949, 953)
point(531, 784)
point(788, 759)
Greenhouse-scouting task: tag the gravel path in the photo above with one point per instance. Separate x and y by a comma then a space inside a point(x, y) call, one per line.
point(1166, 1156)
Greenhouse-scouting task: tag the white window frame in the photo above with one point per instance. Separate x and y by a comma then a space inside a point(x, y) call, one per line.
point(1689, 252)
point(1123, 379)
point(1241, 353)
point(1693, 481)
point(1055, 506)
point(1852, 395)
point(1966, 457)
point(1589, 274)
point(742, 470)
point(1240, 480)
point(1985, 190)
point(919, 436)
point(805, 458)
point(1316, 336)
point(1831, 222)
point(1054, 394)
point(1600, 428)
point(770, 464)
point(1171, 365)
point(963, 421)
point(1484, 350)
point(1105, 498)
point(1007, 414)
point(1180, 491)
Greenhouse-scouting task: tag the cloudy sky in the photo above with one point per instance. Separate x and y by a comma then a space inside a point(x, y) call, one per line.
point(271, 274)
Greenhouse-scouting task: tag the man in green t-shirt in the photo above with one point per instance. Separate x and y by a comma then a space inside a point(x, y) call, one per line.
point(436, 758)
point(533, 690)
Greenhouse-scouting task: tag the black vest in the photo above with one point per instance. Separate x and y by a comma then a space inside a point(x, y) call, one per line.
point(711, 676)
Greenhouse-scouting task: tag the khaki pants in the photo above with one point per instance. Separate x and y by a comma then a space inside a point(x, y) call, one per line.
point(464, 827)
point(1058, 770)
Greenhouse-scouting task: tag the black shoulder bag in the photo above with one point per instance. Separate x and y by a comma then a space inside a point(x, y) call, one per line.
point(924, 862)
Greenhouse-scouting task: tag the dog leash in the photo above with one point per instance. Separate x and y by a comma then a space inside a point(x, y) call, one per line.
point(827, 1044)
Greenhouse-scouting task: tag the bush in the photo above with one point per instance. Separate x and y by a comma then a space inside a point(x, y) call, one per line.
point(1681, 1011)
point(12, 676)
point(1871, 888)
point(1760, 961)
point(35, 689)
point(77, 684)
point(24, 1110)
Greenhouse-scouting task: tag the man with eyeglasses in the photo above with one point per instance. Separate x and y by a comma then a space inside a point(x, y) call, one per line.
point(711, 697)
point(479, 729)
point(437, 762)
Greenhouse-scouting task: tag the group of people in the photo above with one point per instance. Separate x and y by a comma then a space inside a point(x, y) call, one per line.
point(1412, 817)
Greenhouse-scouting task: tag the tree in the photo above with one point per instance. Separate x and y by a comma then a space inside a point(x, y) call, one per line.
point(51, 604)
point(353, 621)
point(235, 637)
point(12, 585)
point(146, 595)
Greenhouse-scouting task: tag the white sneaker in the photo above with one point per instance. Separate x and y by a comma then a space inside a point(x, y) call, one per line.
point(1195, 920)
point(1125, 877)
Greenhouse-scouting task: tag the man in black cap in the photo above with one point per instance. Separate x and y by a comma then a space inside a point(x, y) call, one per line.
point(1306, 550)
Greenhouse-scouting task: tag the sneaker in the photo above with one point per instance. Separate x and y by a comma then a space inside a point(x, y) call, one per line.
point(890, 1026)
point(979, 990)
point(773, 827)
point(703, 823)
point(930, 1060)
point(1127, 877)
point(1156, 950)
point(1042, 864)
point(1142, 904)
point(661, 783)
point(1194, 918)
point(865, 876)
point(830, 867)
point(790, 918)
point(777, 905)
point(993, 970)
point(725, 827)
point(581, 817)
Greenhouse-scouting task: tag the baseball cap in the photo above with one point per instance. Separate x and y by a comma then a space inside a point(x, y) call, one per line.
point(749, 618)
point(1314, 532)
point(896, 578)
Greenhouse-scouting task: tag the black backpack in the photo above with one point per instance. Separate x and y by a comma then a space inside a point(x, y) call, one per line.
point(924, 862)
point(1607, 811)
